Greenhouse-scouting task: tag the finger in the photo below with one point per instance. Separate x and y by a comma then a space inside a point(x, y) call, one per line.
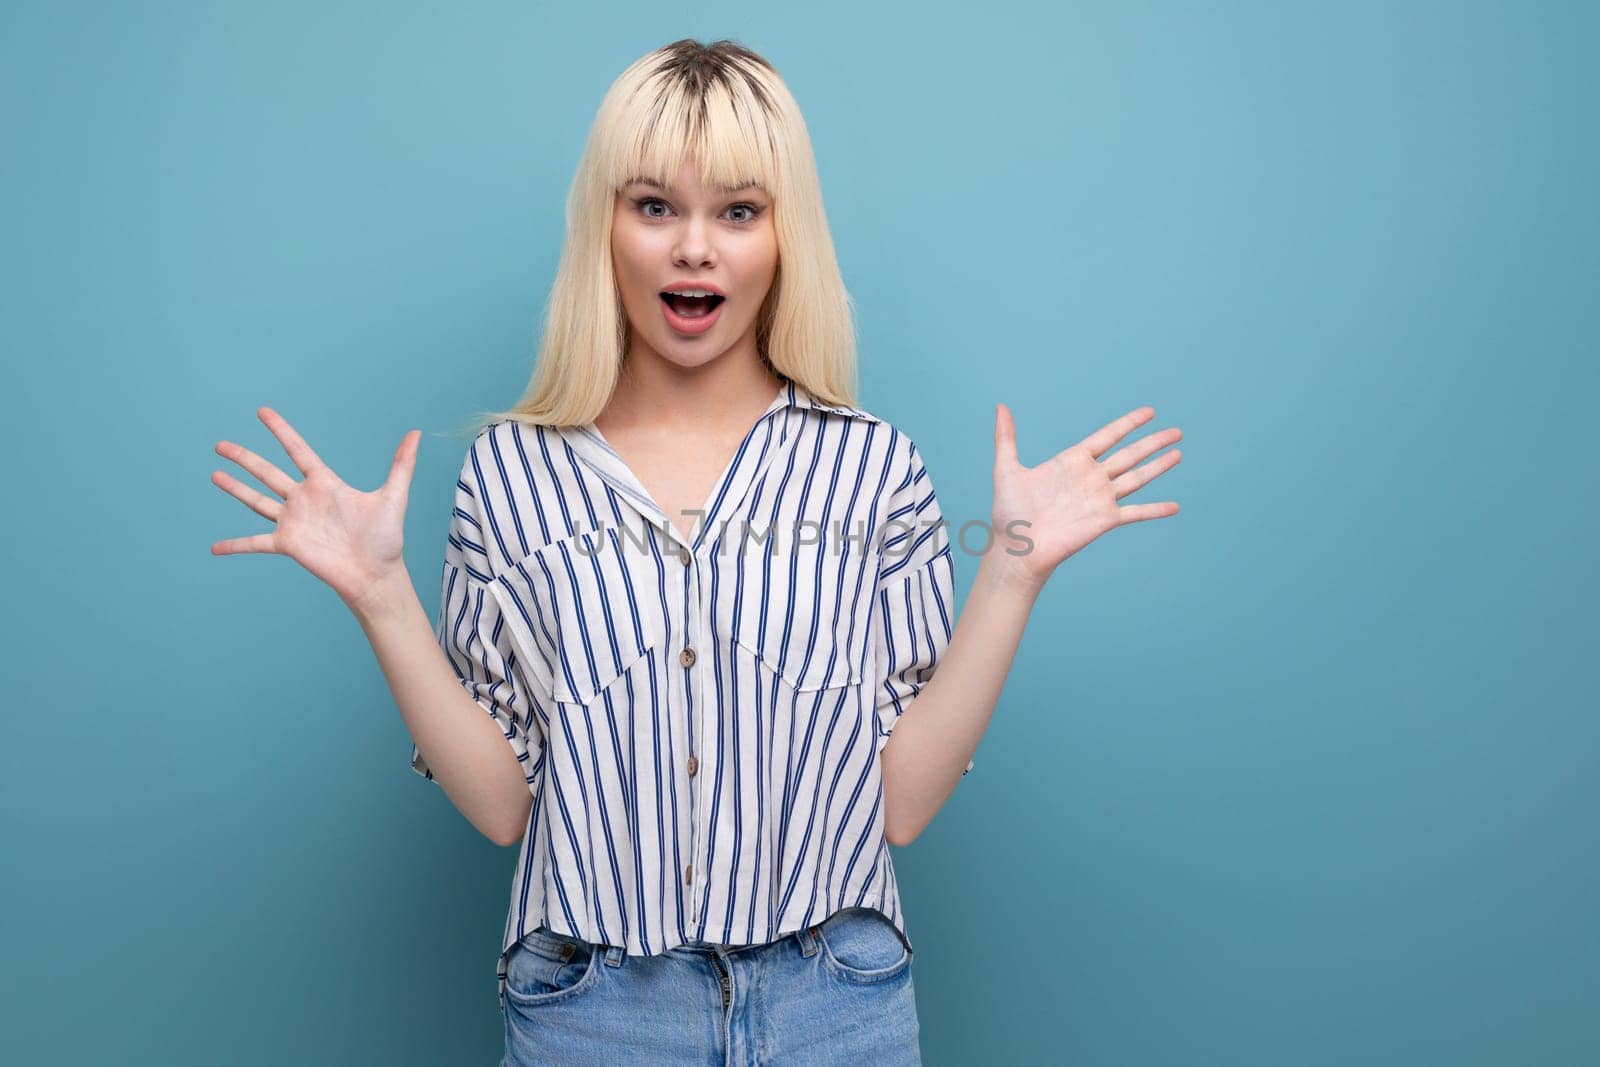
point(1124, 459)
point(1116, 430)
point(238, 545)
point(254, 499)
point(1005, 437)
point(266, 472)
point(293, 443)
point(1140, 512)
point(404, 465)
point(1143, 476)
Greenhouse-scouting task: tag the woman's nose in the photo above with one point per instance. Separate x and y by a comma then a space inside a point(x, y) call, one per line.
point(694, 244)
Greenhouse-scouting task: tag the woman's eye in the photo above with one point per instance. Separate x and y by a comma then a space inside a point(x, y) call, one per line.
point(647, 204)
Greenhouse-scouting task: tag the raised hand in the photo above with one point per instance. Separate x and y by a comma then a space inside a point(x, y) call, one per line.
point(1071, 498)
point(349, 539)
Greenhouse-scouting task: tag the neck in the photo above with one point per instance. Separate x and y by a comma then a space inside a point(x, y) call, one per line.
point(655, 392)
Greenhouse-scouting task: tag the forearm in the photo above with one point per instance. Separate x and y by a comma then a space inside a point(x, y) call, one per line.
point(464, 747)
point(940, 730)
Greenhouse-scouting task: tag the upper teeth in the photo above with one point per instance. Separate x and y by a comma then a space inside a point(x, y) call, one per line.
point(691, 292)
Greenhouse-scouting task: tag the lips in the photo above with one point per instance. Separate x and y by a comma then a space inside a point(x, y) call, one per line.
point(692, 306)
point(692, 314)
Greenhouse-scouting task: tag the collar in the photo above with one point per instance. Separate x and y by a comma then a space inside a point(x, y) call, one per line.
point(797, 395)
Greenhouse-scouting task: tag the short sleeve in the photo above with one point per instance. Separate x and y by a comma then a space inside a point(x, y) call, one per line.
point(915, 602)
point(473, 634)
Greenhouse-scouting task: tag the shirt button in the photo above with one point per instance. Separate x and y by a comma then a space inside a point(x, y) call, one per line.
point(688, 873)
point(694, 765)
point(684, 557)
point(686, 657)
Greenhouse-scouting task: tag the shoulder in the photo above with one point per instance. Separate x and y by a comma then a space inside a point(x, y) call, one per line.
point(872, 440)
point(507, 457)
point(901, 458)
point(503, 444)
point(504, 475)
point(905, 472)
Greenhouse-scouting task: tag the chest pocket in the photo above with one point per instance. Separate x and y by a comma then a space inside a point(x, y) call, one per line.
point(592, 610)
point(812, 626)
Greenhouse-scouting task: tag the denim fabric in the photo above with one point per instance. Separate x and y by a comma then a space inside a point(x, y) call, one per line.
point(837, 993)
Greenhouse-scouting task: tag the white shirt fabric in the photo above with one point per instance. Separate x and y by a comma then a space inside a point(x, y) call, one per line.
point(699, 724)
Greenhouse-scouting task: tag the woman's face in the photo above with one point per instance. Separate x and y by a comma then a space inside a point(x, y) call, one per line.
point(693, 237)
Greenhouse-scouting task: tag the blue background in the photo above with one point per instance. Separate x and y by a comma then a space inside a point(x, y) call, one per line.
point(1303, 775)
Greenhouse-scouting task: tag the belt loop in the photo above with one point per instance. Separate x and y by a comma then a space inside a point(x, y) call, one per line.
point(613, 956)
point(808, 941)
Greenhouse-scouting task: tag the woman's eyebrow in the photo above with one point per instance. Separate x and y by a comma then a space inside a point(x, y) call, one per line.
point(725, 190)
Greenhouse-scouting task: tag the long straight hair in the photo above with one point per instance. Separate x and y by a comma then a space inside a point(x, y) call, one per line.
point(724, 108)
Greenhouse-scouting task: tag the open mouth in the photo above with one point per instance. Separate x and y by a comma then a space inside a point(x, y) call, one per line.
point(692, 307)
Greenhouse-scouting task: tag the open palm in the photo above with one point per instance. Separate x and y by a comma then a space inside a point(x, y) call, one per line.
point(1071, 498)
point(345, 537)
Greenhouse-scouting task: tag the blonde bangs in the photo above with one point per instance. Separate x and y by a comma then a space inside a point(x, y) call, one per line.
point(725, 128)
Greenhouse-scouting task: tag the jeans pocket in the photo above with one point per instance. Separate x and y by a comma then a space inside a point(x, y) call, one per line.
point(863, 945)
point(546, 966)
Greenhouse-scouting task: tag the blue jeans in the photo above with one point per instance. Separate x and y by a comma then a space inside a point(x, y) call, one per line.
point(836, 993)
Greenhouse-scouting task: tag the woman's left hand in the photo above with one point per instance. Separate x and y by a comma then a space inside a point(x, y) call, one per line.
point(1071, 498)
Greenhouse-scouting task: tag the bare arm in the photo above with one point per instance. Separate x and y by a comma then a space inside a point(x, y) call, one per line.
point(931, 744)
point(464, 748)
point(1061, 505)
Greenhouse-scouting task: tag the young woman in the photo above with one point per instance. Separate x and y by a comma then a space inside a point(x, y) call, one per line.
point(690, 594)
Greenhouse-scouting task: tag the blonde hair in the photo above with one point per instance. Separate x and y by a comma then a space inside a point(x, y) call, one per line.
point(724, 108)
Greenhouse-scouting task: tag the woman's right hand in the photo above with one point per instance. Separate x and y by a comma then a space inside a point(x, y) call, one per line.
point(349, 539)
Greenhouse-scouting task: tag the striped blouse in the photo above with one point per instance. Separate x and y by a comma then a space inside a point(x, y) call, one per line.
point(698, 719)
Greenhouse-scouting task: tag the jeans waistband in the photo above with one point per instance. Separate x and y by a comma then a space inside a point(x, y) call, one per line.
point(728, 950)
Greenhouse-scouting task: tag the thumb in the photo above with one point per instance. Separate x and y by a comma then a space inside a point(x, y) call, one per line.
point(1005, 437)
point(404, 465)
